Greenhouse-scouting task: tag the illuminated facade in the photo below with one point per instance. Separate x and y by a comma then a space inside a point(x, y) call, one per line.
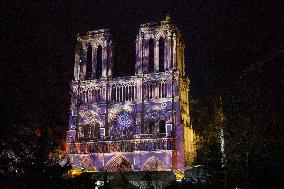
point(132, 123)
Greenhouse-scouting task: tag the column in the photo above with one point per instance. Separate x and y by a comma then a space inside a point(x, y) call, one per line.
point(166, 53)
point(156, 55)
point(94, 63)
point(135, 91)
point(174, 66)
point(83, 62)
point(128, 93)
point(141, 53)
point(182, 62)
point(109, 58)
point(157, 90)
point(104, 59)
point(120, 93)
point(77, 62)
point(149, 91)
point(104, 93)
point(145, 56)
point(169, 88)
point(169, 50)
point(138, 90)
point(99, 94)
point(117, 96)
point(123, 93)
point(89, 95)
point(137, 54)
point(113, 93)
point(93, 95)
point(179, 57)
point(85, 96)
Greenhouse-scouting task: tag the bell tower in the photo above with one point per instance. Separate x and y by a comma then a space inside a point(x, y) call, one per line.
point(159, 48)
point(160, 54)
point(132, 123)
point(93, 55)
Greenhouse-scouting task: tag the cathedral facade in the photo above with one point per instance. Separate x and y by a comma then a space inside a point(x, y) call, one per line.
point(133, 123)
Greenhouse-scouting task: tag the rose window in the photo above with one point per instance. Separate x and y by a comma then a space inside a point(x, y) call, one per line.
point(124, 121)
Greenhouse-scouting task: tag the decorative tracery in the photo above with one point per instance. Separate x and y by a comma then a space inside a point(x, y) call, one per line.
point(87, 164)
point(122, 125)
point(123, 106)
point(153, 164)
point(118, 163)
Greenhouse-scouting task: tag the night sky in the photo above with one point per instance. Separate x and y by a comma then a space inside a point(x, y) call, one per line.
point(38, 42)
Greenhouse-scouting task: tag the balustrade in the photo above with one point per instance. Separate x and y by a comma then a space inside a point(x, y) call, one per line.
point(120, 146)
point(123, 92)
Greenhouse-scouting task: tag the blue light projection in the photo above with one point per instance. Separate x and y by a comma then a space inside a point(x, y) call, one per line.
point(117, 121)
point(124, 121)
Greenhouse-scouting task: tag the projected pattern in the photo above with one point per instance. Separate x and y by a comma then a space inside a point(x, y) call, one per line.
point(134, 123)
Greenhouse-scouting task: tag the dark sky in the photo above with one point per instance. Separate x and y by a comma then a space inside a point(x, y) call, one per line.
point(38, 38)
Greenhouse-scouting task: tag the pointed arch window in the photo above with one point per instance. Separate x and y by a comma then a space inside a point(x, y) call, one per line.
point(89, 66)
point(162, 126)
point(96, 130)
point(161, 54)
point(151, 56)
point(106, 130)
point(86, 131)
point(151, 127)
point(99, 62)
point(80, 71)
point(143, 130)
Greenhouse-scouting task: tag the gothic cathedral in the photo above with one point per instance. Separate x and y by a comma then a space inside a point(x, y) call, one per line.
point(132, 123)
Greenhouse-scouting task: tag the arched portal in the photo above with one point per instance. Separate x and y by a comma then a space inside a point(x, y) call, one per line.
point(153, 164)
point(118, 163)
point(86, 164)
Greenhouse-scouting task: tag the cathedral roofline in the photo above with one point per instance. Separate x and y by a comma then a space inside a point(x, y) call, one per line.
point(167, 20)
point(165, 24)
point(93, 32)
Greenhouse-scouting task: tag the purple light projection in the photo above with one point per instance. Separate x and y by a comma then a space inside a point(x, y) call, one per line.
point(127, 123)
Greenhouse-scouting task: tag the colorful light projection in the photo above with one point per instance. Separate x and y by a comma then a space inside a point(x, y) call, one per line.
point(134, 123)
point(140, 144)
point(153, 164)
point(124, 121)
point(123, 126)
point(118, 163)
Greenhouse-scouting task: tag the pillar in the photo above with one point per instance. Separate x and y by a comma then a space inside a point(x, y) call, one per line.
point(156, 55)
point(168, 50)
point(104, 59)
point(145, 55)
point(174, 52)
point(83, 62)
point(109, 59)
point(77, 62)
